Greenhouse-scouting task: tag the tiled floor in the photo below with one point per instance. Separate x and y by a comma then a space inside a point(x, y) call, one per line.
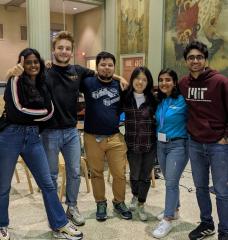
point(28, 218)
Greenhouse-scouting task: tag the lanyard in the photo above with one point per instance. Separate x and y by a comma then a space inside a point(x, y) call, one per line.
point(164, 109)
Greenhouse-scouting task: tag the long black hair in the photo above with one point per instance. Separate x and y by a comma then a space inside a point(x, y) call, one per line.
point(175, 91)
point(148, 91)
point(41, 75)
point(30, 93)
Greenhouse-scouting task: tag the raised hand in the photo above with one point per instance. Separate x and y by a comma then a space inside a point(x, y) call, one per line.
point(19, 68)
point(16, 70)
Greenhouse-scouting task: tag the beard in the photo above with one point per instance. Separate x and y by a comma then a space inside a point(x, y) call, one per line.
point(105, 78)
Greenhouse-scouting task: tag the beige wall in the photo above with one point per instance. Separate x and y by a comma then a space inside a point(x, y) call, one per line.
point(58, 18)
point(89, 31)
point(11, 45)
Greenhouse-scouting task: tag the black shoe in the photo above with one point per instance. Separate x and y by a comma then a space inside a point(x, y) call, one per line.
point(121, 208)
point(101, 214)
point(202, 231)
point(223, 236)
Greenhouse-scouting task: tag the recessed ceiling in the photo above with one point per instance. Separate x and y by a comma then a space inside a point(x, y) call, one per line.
point(60, 6)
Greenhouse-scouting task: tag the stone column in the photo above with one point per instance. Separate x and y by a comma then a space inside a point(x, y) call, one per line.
point(38, 22)
point(110, 26)
point(156, 37)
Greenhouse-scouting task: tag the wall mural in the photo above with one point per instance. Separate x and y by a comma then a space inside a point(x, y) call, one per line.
point(133, 26)
point(133, 33)
point(205, 20)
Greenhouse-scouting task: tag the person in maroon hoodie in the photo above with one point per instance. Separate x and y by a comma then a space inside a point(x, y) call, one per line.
point(206, 94)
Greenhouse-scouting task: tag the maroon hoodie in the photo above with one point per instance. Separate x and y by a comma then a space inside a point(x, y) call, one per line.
point(207, 100)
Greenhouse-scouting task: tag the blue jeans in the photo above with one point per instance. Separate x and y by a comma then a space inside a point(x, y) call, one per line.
point(66, 141)
point(21, 140)
point(172, 157)
point(202, 158)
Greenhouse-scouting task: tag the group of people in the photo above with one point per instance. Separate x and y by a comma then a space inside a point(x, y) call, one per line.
point(183, 120)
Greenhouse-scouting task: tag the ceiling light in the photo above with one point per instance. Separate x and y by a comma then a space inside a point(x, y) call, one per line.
point(74, 8)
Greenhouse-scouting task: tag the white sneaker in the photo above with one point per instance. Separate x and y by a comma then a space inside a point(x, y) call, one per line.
point(163, 228)
point(133, 204)
point(141, 212)
point(4, 234)
point(68, 232)
point(74, 215)
point(176, 216)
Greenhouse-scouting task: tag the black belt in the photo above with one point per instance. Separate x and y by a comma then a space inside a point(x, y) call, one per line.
point(174, 139)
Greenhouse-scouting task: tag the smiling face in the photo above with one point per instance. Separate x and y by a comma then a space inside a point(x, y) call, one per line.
point(140, 83)
point(195, 62)
point(166, 84)
point(106, 68)
point(32, 66)
point(63, 51)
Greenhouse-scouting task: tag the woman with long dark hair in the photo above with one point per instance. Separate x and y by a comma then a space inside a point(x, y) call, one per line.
point(27, 103)
point(139, 105)
point(172, 147)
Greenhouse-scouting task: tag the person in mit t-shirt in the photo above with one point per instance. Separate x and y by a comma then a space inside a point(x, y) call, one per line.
point(206, 94)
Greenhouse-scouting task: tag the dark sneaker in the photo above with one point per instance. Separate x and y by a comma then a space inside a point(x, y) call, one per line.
point(101, 214)
point(223, 236)
point(202, 231)
point(121, 208)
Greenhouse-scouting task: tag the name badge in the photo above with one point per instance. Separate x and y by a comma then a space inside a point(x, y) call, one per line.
point(161, 137)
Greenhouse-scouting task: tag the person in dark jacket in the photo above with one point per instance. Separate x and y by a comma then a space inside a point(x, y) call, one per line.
point(27, 103)
point(206, 94)
point(139, 106)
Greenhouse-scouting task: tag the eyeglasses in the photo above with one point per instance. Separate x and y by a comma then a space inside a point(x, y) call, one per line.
point(195, 57)
point(31, 62)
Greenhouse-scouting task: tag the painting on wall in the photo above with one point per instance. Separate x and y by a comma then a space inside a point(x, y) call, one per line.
point(129, 62)
point(187, 20)
point(133, 26)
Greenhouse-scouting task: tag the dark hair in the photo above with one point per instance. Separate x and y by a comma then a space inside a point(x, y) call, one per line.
point(196, 45)
point(175, 91)
point(41, 76)
point(148, 91)
point(104, 55)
